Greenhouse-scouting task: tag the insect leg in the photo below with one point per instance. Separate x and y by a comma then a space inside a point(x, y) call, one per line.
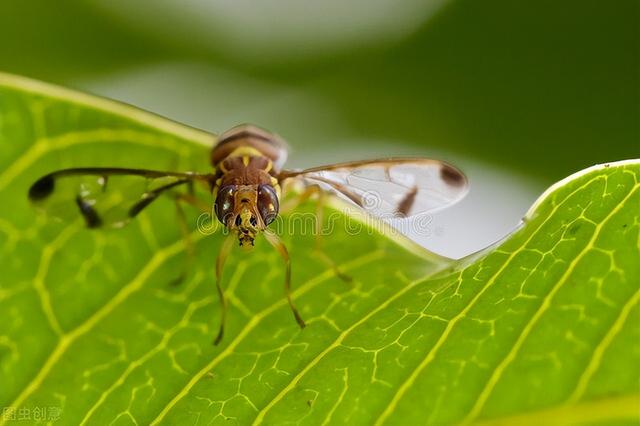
point(331, 264)
point(194, 201)
point(300, 198)
point(280, 247)
point(320, 204)
point(188, 242)
point(309, 192)
point(222, 257)
point(190, 199)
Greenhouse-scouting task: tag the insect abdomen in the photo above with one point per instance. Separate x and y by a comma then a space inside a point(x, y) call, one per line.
point(265, 143)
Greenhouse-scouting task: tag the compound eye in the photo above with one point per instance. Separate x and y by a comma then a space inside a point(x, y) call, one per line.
point(224, 203)
point(268, 204)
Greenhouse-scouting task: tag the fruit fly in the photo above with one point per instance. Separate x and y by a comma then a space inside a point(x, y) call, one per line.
point(246, 186)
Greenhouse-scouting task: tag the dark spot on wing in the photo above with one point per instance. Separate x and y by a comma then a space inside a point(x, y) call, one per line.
point(407, 202)
point(451, 176)
point(90, 215)
point(42, 188)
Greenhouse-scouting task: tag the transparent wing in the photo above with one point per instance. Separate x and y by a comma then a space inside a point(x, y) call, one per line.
point(391, 188)
point(107, 197)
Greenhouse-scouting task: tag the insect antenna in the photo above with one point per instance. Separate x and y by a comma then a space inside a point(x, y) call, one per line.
point(282, 249)
point(222, 257)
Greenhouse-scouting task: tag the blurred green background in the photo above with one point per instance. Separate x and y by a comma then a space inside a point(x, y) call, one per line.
point(517, 93)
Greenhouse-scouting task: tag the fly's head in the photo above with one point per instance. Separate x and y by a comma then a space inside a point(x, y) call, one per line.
point(246, 210)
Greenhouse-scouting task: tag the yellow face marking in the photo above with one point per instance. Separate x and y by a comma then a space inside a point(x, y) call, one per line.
point(245, 160)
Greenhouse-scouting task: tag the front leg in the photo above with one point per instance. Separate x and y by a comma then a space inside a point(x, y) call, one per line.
point(227, 245)
point(282, 250)
point(181, 217)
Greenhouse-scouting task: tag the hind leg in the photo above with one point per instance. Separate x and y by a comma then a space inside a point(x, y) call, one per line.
point(310, 192)
point(183, 225)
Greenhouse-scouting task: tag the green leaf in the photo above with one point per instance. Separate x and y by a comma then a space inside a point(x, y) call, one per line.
point(543, 327)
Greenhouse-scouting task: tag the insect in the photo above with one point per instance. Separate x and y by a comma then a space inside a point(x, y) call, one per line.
point(246, 187)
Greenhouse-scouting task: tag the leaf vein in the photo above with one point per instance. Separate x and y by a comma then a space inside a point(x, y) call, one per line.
point(335, 344)
point(594, 362)
point(255, 320)
point(44, 146)
point(453, 321)
point(497, 373)
point(67, 339)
